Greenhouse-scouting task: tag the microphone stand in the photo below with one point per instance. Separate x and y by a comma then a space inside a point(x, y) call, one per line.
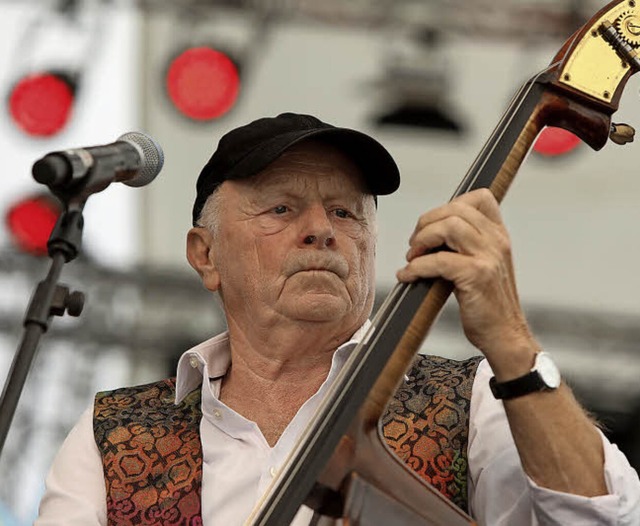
point(49, 299)
point(72, 177)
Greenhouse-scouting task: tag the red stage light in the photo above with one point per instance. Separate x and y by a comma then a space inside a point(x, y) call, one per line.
point(41, 103)
point(203, 83)
point(31, 222)
point(555, 141)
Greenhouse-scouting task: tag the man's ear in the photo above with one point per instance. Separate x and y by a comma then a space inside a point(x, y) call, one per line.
point(200, 256)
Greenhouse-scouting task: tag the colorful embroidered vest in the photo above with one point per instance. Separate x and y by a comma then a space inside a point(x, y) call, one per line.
point(152, 454)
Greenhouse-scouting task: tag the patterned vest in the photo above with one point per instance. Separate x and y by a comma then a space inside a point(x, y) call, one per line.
point(152, 454)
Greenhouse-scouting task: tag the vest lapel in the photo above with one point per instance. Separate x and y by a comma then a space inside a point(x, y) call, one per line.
point(151, 453)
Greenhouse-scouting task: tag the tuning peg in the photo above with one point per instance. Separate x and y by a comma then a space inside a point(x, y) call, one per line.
point(621, 133)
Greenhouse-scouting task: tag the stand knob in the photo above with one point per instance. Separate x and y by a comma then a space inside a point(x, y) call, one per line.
point(67, 302)
point(75, 303)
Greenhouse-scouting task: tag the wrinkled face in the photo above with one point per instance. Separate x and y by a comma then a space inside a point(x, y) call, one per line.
point(296, 242)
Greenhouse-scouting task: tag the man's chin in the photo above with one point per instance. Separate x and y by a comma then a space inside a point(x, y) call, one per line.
point(319, 308)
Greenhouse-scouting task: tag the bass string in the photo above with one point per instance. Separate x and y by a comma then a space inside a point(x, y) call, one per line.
point(503, 127)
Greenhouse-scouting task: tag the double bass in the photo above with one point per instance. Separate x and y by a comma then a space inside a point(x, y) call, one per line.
point(341, 466)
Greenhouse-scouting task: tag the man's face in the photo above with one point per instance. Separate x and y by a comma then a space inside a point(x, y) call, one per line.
point(297, 241)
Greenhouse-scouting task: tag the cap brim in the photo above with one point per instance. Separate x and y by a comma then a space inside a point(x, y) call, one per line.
point(379, 170)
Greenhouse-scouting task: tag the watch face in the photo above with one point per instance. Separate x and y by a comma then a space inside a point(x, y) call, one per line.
point(547, 370)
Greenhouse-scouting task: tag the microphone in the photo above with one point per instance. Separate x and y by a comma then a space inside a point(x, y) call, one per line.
point(135, 159)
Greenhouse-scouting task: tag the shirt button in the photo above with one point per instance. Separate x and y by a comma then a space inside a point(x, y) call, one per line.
point(217, 414)
point(272, 471)
point(193, 361)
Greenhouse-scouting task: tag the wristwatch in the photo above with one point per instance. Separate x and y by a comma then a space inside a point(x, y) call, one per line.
point(543, 376)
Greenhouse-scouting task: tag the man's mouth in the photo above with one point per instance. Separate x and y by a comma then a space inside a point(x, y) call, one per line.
point(311, 264)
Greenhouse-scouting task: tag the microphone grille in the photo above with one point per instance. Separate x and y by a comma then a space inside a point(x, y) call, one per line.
point(152, 157)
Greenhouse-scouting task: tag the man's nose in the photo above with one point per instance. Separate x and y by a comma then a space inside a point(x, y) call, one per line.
point(317, 228)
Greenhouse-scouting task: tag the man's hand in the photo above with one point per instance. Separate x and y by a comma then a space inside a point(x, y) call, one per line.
point(558, 446)
point(479, 264)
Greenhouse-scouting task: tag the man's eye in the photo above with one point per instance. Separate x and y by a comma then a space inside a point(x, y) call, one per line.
point(342, 213)
point(280, 209)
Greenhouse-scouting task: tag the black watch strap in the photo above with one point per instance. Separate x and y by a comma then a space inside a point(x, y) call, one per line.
point(529, 383)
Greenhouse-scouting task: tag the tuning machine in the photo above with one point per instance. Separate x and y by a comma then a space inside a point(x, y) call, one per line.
point(621, 133)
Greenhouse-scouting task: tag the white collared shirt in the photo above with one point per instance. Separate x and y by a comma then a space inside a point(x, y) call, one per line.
point(239, 464)
point(235, 444)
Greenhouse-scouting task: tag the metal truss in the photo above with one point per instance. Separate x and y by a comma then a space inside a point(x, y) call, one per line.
point(512, 19)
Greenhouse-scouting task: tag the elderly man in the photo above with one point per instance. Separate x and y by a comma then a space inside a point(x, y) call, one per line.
point(284, 231)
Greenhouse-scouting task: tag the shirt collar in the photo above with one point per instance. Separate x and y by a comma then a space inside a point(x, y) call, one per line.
point(215, 355)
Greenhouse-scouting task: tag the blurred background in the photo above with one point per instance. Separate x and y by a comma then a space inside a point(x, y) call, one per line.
point(428, 78)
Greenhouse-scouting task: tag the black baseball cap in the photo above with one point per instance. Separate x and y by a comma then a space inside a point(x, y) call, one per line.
point(249, 149)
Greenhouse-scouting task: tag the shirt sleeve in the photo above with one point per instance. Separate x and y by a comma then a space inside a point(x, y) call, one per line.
point(75, 493)
point(501, 494)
